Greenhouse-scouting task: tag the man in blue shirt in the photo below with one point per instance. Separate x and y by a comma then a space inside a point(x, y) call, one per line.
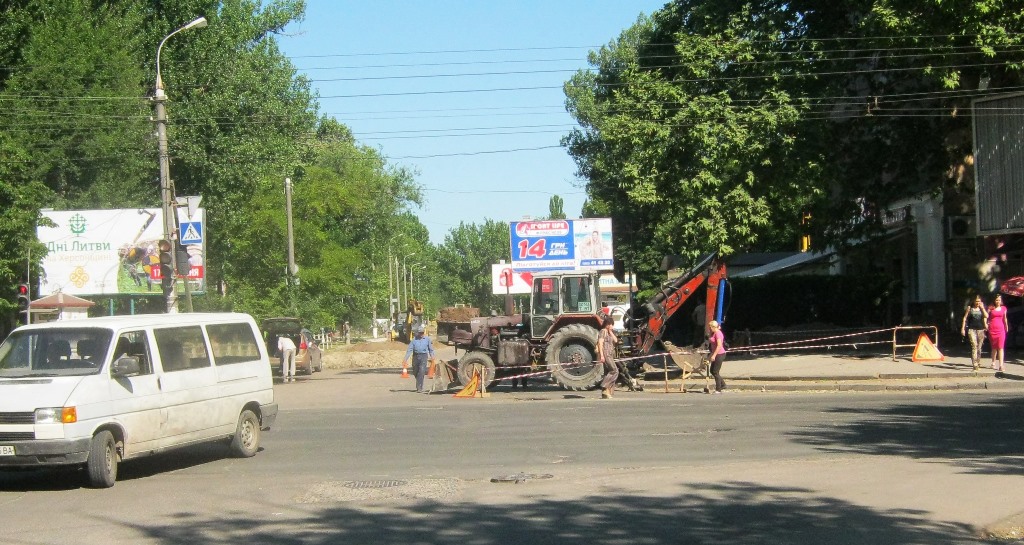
point(422, 351)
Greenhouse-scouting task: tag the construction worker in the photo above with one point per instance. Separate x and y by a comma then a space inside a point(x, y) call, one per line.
point(421, 349)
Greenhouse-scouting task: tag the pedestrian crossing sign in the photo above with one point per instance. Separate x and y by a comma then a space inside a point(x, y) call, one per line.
point(191, 232)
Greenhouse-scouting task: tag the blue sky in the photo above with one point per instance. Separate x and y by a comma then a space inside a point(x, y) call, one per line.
point(440, 85)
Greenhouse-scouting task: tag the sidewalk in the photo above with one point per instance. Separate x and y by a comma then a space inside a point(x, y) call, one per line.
point(851, 372)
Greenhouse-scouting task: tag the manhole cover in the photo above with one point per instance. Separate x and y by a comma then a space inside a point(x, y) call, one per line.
point(373, 484)
point(520, 478)
point(381, 490)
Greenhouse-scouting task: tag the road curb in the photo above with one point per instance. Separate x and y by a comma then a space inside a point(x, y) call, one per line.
point(918, 383)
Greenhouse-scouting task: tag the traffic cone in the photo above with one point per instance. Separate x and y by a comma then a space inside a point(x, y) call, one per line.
point(405, 372)
point(430, 369)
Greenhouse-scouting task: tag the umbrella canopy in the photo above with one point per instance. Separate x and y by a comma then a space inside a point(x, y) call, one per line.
point(1013, 286)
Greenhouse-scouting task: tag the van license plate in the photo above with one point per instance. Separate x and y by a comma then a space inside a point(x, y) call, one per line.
point(6, 450)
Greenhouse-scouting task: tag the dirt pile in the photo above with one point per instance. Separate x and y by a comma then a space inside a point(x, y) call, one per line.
point(458, 314)
point(364, 355)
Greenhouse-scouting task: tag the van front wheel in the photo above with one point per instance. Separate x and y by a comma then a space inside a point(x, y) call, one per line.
point(102, 462)
point(246, 441)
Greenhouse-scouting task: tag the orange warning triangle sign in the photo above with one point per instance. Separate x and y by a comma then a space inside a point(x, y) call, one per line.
point(470, 389)
point(926, 350)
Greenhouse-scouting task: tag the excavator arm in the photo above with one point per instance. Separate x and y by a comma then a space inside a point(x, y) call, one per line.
point(670, 299)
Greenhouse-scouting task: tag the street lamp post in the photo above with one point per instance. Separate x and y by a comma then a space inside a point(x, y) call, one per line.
point(412, 284)
point(391, 305)
point(406, 280)
point(168, 203)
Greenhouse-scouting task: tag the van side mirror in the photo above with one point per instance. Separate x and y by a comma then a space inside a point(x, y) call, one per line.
point(126, 366)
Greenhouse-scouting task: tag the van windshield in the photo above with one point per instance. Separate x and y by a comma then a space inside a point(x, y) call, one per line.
point(51, 352)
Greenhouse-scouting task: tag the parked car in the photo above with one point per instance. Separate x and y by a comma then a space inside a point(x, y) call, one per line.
point(308, 358)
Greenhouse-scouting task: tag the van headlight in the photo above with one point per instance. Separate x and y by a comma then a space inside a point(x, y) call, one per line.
point(56, 415)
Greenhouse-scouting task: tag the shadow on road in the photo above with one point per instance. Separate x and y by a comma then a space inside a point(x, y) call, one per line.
point(985, 437)
point(728, 513)
point(70, 478)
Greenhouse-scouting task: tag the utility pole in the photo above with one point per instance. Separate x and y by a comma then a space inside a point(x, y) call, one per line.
point(398, 285)
point(168, 202)
point(292, 269)
point(412, 283)
point(391, 302)
point(28, 284)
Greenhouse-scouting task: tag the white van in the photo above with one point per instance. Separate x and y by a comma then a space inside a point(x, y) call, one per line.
point(98, 391)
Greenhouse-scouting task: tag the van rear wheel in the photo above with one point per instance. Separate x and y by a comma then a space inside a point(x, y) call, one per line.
point(102, 462)
point(246, 440)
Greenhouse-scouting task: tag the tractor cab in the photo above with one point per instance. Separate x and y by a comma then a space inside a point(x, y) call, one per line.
point(562, 297)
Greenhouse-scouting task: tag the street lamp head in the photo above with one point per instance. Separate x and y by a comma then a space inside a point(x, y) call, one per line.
point(198, 23)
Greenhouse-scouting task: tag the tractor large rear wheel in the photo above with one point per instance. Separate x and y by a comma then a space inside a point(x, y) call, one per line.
point(572, 357)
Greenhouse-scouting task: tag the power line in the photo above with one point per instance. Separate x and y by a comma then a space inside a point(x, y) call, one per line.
point(877, 54)
point(510, 191)
point(440, 52)
point(914, 37)
point(469, 153)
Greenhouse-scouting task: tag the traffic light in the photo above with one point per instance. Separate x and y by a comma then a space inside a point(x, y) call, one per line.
point(166, 270)
point(23, 297)
point(181, 256)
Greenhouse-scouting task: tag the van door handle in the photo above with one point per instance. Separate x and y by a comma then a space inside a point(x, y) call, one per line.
point(159, 386)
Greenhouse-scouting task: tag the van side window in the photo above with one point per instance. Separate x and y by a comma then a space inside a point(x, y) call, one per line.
point(136, 345)
point(181, 348)
point(232, 343)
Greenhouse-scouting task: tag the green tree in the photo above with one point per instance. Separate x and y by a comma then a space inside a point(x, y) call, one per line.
point(75, 132)
point(715, 125)
point(74, 128)
point(555, 208)
point(73, 103)
point(465, 260)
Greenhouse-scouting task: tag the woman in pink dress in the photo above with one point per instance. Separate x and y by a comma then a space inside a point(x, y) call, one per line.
point(716, 348)
point(998, 325)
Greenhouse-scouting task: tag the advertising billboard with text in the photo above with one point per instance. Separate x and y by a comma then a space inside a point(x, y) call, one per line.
point(584, 244)
point(113, 252)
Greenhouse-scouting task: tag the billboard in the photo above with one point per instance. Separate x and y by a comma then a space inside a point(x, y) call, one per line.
point(113, 252)
point(584, 244)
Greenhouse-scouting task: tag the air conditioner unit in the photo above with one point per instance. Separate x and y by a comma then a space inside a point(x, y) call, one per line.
point(961, 227)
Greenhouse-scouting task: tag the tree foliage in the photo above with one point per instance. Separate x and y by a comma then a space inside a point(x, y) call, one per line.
point(75, 132)
point(466, 257)
point(714, 125)
point(556, 210)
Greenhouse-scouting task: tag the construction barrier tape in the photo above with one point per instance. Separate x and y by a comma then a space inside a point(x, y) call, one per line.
point(788, 345)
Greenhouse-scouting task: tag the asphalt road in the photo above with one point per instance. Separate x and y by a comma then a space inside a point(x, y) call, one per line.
point(355, 458)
